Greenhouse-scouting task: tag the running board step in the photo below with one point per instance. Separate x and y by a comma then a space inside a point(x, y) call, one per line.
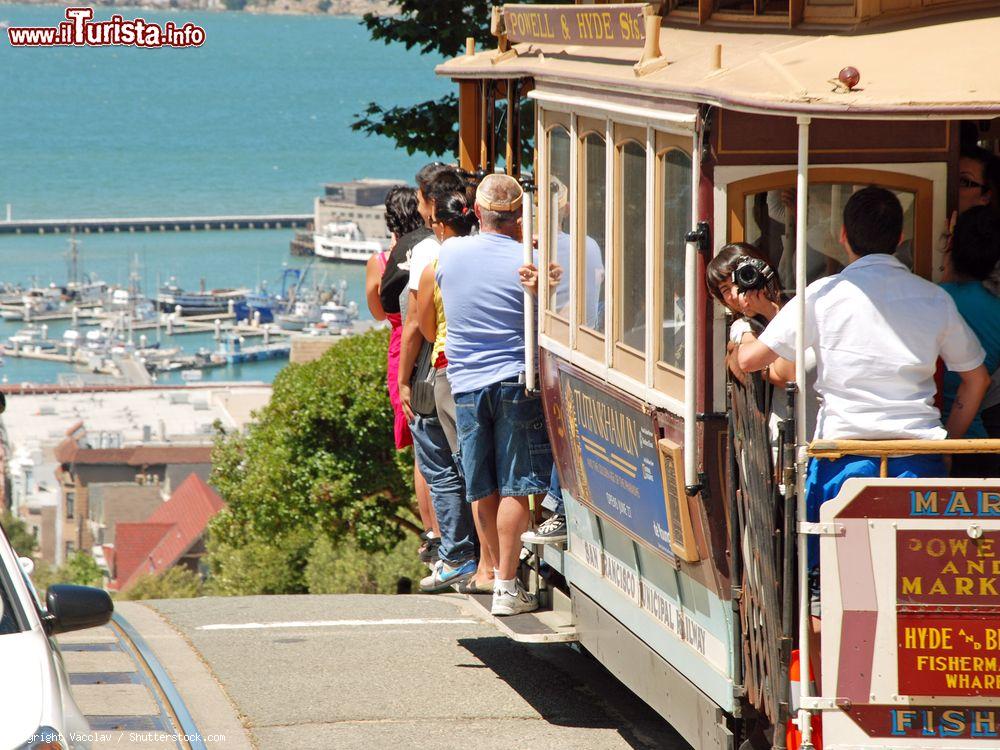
point(540, 626)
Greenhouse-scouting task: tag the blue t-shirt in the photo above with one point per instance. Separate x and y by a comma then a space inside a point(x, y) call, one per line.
point(484, 306)
point(981, 311)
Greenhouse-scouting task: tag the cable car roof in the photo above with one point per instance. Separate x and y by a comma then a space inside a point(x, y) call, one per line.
point(948, 69)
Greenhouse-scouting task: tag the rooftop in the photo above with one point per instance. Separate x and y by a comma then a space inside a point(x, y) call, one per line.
point(942, 69)
point(69, 451)
point(166, 415)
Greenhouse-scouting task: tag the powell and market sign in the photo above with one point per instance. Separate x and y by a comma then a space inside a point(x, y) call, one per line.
point(594, 25)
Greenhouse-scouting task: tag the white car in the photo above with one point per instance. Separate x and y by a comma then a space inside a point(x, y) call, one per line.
point(37, 710)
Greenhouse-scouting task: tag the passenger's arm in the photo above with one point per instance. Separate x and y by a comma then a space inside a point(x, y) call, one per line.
point(781, 372)
point(970, 394)
point(373, 279)
point(753, 355)
point(409, 349)
point(426, 310)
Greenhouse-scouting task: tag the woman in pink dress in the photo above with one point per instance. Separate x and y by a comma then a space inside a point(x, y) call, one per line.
point(386, 279)
point(386, 284)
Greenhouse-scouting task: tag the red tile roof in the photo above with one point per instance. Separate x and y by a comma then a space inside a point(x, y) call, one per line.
point(69, 451)
point(167, 534)
point(133, 543)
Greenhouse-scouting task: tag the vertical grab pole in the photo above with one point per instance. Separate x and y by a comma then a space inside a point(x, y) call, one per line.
point(529, 300)
point(691, 318)
point(801, 215)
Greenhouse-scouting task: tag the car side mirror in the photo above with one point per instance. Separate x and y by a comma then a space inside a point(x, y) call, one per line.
point(73, 607)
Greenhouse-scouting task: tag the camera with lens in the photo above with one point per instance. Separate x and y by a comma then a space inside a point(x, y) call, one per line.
point(751, 274)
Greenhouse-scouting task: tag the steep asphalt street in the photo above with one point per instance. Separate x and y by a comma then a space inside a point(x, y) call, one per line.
point(400, 672)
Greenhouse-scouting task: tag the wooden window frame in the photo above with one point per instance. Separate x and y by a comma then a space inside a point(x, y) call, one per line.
point(587, 340)
point(555, 325)
point(666, 377)
point(626, 359)
point(921, 187)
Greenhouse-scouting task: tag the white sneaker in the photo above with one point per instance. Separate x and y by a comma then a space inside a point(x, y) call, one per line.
point(505, 603)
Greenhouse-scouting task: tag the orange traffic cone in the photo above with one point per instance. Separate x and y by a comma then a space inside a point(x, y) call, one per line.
point(793, 737)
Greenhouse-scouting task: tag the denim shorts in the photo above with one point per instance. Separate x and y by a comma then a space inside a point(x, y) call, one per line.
point(503, 445)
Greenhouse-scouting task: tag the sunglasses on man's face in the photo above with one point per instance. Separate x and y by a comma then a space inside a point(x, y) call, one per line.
point(968, 182)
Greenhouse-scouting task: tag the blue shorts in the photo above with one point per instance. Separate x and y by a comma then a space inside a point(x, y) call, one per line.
point(824, 479)
point(503, 445)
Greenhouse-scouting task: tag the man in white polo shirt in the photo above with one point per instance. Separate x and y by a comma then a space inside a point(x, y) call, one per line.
point(877, 330)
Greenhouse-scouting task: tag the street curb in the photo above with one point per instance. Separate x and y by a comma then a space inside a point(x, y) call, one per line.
point(209, 705)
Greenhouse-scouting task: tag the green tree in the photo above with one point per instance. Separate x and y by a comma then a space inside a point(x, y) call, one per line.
point(173, 583)
point(21, 539)
point(438, 27)
point(319, 457)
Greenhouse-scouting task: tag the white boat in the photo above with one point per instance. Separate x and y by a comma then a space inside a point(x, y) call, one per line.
point(302, 314)
point(29, 335)
point(32, 337)
point(37, 301)
point(335, 315)
point(343, 241)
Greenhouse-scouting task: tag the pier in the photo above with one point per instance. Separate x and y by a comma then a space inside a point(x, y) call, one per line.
point(156, 224)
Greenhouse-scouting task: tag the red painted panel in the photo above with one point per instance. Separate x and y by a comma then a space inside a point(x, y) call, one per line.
point(947, 567)
point(948, 655)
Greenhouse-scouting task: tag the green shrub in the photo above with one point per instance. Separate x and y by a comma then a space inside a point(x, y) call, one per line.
point(79, 568)
point(274, 566)
point(173, 583)
point(346, 569)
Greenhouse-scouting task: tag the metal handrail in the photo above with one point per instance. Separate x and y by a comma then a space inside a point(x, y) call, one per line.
point(839, 448)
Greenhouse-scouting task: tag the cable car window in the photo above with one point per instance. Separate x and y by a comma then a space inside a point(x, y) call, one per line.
point(559, 180)
point(770, 226)
point(675, 222)
point(593, 167)
point(631, 323)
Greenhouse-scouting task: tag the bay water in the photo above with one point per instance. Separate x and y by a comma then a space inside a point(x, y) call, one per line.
point(253, 121)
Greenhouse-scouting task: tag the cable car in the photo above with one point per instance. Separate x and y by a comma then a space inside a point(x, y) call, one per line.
point(657, 134)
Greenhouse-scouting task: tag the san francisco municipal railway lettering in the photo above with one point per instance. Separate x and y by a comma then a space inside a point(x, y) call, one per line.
point(673, 618)
point(621, 576)
point(947, 567)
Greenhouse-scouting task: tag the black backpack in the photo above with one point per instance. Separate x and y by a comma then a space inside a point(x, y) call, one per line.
point(397, 269)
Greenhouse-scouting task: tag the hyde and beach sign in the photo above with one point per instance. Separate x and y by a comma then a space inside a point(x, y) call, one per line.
point(618, 25)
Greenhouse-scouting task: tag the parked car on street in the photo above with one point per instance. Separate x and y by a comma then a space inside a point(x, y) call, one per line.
point(37, 710)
